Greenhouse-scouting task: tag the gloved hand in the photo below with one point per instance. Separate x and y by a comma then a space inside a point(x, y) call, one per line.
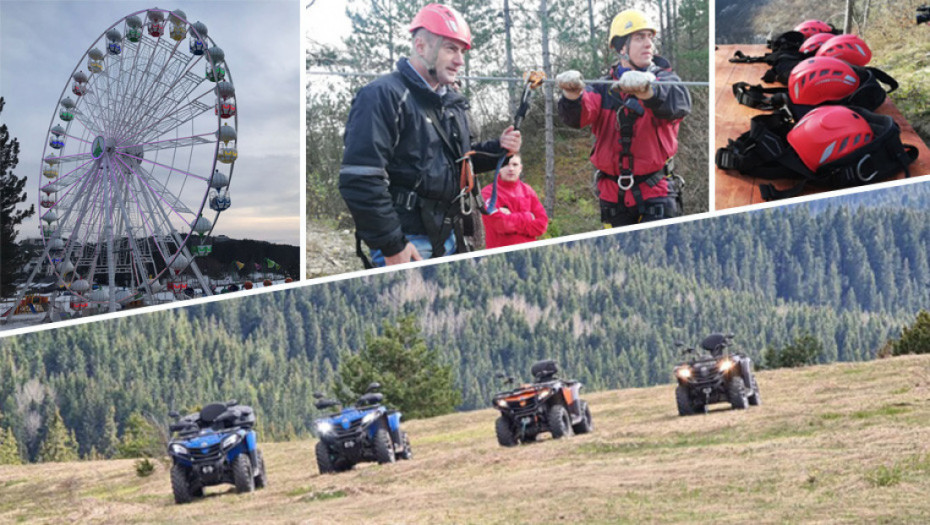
point(637, 83)
point(571, 83)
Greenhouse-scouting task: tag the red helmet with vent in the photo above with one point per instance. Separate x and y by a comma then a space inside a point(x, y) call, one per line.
point(810, 28)
point(821, 79)
point(813, 43)
point(850, 48)
point(829, 133)
point(443, 21)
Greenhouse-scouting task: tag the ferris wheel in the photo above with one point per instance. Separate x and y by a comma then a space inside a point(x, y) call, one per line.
point(139, 157)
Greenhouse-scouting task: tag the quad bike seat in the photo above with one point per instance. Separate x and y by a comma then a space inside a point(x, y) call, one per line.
point(714, 343)
point(211, 412)
point(544, 370)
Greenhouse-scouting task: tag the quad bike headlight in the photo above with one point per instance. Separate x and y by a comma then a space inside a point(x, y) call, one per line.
point(502, 403)
point(544, 393)
point(684, 372)
point(369, 417)
point(229, 441)
point(725, 365)
point(178, 449)
point(324, 427)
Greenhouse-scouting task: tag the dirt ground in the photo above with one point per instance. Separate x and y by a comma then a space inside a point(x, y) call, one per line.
point(330, 250)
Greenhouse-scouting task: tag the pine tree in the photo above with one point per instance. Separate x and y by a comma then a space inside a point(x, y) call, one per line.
point(140, 438)
point(916, 338)
point(108, 439)
point(9, 448)
point(59, 444)
point(11, 194)
point(411, 374)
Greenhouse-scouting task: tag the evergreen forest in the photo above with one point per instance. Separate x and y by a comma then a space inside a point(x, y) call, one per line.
point(851, 273)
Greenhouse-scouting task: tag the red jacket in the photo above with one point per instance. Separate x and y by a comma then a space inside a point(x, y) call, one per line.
point(527, 219)
point(655, 133)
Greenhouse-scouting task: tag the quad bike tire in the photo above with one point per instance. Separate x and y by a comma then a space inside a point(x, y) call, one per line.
point(242, 474)
point(505, 436)
point(560, 423)
point(323, 461)
point(408, 450)
point(755, 398)
point(384, 447)
point(683, 399)
point(736, 393)
point(586, 424)
point(180, 485)
point(261, 479)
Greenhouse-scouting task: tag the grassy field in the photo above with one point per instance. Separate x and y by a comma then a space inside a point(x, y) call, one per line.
point(844, 443)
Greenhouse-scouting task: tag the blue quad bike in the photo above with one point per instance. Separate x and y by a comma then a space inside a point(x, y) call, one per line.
point(367, 431)
point(214, 446)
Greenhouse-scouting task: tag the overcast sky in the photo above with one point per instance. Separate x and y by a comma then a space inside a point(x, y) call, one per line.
point(42, 41)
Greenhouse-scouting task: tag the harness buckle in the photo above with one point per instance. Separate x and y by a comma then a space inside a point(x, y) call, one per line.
point(870, 176)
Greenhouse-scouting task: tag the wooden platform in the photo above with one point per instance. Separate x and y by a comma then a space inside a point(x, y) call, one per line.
point(732, 119)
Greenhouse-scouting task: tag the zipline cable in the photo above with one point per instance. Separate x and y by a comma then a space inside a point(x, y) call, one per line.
point(506, 79)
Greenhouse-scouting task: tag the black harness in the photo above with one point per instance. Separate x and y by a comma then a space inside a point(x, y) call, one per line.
point(764, 152)
point(869, 95)
point(786, 53)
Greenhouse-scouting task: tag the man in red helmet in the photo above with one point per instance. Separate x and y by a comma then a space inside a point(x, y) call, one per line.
point(405, 135)
point(635, 125)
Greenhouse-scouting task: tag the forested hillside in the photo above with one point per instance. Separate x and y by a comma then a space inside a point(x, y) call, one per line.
point(608, 309)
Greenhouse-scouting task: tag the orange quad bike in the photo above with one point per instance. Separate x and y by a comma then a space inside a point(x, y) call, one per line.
point(549, 404)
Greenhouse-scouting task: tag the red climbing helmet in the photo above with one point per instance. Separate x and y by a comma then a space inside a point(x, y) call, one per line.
point(443, 21)
point(813, 43)
point(810, 28)
point(821, 79)
point(850, 48)
point(828, 133)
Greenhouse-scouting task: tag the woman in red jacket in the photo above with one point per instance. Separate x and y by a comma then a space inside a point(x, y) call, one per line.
point(520, 217)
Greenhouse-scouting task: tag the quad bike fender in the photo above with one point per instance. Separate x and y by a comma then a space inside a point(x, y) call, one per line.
point(745, 368)
point(251, 441)
point(572, 396)
point(393, 420)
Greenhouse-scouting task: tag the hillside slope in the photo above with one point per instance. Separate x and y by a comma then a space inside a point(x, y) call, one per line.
point(834, 443)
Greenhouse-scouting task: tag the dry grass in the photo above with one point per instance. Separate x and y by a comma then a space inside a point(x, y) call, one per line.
point(831, 444)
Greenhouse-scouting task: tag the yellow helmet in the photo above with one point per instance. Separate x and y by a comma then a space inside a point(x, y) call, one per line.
point(626, 23)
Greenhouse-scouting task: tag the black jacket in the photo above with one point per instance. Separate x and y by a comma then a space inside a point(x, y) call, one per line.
point(393, 149)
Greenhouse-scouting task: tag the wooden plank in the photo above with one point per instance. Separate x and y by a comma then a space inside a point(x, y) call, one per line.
point(732, 119)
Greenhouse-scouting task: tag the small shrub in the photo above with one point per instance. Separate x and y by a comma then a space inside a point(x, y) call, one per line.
point(144, 467)
point(885, 476)
point(803, 351)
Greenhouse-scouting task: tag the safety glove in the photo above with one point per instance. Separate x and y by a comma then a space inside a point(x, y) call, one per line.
point(571, 83)
point(636, 83)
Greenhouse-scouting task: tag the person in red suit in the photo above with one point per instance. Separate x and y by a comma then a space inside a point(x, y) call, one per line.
point(520, 217)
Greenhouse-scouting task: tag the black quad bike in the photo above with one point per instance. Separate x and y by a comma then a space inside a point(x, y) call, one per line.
point(368, 431)
point(714, 376)
point(214, 446)
point(549, 404)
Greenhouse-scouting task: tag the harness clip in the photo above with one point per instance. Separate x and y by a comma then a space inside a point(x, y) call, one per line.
point(625, 182)
point(872, 175)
